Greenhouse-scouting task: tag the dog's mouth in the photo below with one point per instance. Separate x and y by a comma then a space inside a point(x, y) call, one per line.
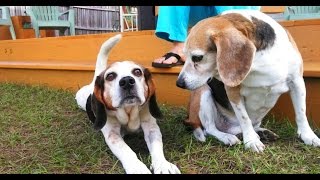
point(129, 100)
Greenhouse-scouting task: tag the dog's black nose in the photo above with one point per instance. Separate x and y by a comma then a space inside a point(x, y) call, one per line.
point(181, 83)
point(127, 82)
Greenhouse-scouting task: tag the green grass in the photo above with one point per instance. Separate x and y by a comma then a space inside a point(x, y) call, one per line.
point(43, 131)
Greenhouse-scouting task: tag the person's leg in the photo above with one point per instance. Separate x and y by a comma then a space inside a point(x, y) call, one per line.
point(220, 9)
point(173, 23)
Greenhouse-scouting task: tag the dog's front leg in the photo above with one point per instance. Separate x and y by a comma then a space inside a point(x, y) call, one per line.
point(251, 139)
point(128, 158)
point(298, 97)
point(153, 138)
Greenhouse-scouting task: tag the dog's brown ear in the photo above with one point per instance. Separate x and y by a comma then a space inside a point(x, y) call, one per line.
point(97, 104)
point(151, 95)
point(234, 55)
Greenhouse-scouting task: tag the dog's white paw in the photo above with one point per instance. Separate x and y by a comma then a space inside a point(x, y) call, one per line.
point(164, 167)
point(253, 143)
point(310, 139)
point(229, 139)
point(136, 167)
point(199, 134)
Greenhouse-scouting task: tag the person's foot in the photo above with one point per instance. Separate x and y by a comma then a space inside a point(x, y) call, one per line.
point(176, 49)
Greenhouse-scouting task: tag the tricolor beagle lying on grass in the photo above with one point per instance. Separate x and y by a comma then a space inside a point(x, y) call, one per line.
point(248, 60)
point(121, 98)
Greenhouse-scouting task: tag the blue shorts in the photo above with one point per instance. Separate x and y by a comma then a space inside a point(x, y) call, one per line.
point(173, 21)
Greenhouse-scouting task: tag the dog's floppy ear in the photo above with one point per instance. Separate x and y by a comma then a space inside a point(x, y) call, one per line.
point(235, 54)
point(151, 97)
point(97, 104)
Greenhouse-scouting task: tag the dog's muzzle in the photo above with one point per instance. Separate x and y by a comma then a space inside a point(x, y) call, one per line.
point(181, 83)
point(127, 83)
point(129, 93)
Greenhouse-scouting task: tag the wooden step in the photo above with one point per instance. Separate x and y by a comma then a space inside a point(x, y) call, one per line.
point(311, 68)
point(68, 62)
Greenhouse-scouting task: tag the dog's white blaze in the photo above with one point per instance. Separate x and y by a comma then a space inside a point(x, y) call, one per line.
point(123, 69)
point(197, 52)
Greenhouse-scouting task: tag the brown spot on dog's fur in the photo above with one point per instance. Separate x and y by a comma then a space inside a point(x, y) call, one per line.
point(193, 118)
point(242, 24)
point(101, 92)
point(199, 38)
point(258, 31)
point(233, 94)
point(151, 89)
point(99, 87)
point(150, 94)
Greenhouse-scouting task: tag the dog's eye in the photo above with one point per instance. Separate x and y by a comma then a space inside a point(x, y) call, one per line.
point(197, 58)
point(137, 72)
point(111, 76)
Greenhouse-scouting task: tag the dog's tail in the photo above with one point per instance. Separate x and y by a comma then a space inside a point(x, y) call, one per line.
point(102, 58)
point(101, 64)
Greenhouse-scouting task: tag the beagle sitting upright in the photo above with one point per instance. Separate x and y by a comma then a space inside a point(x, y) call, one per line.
point(248, 60)
point(121, 98)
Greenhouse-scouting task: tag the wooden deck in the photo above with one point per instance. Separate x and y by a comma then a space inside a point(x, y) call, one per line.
point(68, 63)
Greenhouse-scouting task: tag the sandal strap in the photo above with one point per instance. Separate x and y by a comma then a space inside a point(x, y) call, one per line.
point(170, 54)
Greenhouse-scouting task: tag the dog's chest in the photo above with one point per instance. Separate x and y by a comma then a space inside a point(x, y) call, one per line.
point(129, 117)
point(259, 100)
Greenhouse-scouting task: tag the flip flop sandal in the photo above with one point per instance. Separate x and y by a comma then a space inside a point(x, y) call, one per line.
point(166, 56)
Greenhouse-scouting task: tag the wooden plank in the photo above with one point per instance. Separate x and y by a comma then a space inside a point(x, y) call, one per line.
point(272, 9)
point(135, 45)
point(60, 79)
point(5, 33)
point(75, 49)
point(94, 28)
point(311, 69)
point(306, 38)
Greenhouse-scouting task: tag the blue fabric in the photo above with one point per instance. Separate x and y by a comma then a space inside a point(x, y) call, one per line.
point(173, 21)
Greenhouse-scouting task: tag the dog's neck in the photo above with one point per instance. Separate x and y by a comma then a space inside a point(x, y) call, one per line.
point(127, 116)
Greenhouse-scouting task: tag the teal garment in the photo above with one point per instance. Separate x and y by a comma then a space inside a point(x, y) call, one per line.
point(173, 21)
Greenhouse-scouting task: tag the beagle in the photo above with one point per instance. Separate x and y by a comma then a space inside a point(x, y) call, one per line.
point(121, 99)
point(237, 65)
